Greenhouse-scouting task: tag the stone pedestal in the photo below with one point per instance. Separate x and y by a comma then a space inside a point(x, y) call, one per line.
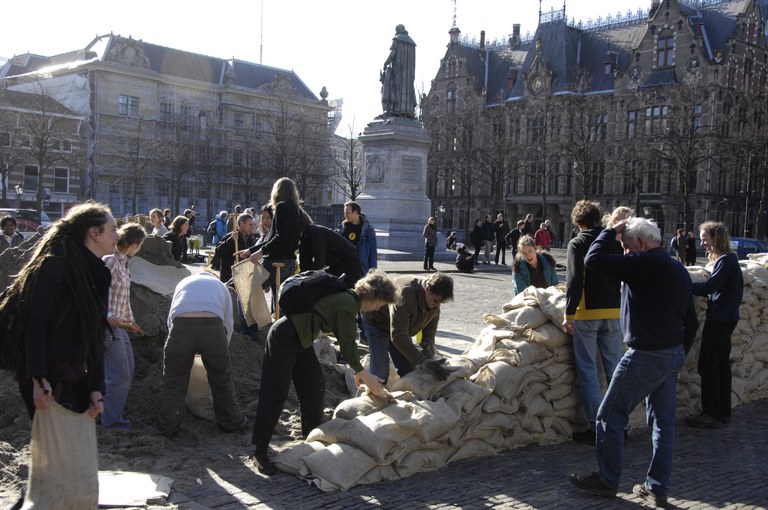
point(394, 193)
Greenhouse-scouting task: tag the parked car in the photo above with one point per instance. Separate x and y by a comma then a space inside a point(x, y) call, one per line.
point(27, 220)
point(744, 246)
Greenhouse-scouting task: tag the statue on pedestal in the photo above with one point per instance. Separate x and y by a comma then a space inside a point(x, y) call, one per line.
point(398, 97)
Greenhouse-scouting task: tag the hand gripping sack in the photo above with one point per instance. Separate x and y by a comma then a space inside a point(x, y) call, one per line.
point(300, 292)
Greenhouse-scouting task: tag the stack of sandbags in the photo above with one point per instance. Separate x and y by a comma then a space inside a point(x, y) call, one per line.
point(515, 386)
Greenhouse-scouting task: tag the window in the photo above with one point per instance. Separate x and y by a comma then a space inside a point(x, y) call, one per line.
point(653, 178)
point(30, 178)
point(747, 74)
point(187, 114)
point(656, 119)
point(239, 119)
point(5, 139)
point(731, 77)
point(163, 189)
point(237, 157)
point(61, 180)
point(665, 50)
point(254, 159)
point(166, 112)
point(128, 106)
point(450, 96)
point(597, 184)
point(633, 123)
point(598, 127)
point(697, 117)
point(536, 130)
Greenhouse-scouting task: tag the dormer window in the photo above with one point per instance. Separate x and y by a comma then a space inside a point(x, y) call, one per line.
point(665, 49)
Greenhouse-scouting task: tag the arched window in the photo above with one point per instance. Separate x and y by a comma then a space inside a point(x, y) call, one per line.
point(665, 49)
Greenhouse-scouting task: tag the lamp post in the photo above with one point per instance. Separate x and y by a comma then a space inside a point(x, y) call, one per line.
point(19, 193)
point(441, 210)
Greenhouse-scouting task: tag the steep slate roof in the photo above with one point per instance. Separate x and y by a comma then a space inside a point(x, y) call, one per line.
point(193, 66)
point(565, 48)
point(250, 75)
point(170, 62)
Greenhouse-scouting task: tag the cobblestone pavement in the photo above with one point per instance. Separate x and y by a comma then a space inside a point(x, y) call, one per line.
point(713, 469)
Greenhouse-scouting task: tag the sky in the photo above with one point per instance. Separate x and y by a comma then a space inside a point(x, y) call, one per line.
point(339, 44)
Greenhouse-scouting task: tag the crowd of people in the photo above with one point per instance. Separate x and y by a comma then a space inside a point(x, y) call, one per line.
point(627, 301)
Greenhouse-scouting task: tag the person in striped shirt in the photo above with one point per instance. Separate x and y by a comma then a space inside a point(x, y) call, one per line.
point(118, 352)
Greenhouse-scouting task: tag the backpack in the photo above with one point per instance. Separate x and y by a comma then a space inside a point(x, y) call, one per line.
point(212, 227)
point(300, 292)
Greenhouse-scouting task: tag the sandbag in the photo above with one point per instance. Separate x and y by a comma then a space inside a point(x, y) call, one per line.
point(340, 464)
point(63, 472)
point(199, 399)
point(248, 278)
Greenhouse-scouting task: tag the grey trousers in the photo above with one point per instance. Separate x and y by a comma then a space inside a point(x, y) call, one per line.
point(188, 336)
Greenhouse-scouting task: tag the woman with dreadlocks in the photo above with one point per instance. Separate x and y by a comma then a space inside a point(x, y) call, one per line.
point(60, 304)
point(62, 295)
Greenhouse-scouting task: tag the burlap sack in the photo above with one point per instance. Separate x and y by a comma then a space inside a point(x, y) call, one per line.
point(248, 278)
point(199, 400)
point(63, 472)
point(341, 465)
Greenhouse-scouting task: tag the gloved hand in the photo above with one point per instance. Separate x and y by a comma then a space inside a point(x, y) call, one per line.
point(434, 368)
point(428, 350)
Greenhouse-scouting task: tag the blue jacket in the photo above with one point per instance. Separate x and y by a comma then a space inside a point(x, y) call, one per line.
point(221, 230)
point(522, 275)
point(366, 245)
point(724, 289)
point(656, 299)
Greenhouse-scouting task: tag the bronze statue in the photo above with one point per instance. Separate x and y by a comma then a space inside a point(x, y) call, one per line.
point(398, 98)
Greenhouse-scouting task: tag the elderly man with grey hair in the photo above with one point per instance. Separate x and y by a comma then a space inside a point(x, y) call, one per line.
point(658, 325)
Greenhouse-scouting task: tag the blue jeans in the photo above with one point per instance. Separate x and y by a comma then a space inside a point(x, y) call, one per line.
point(118, 375)
point(650, 375)
point(587, 337)
point(381, 348)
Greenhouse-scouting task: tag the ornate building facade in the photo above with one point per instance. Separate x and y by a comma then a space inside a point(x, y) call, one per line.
point(663, 110)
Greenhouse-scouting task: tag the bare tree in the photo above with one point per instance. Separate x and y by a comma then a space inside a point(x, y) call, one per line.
point(682, 140)
point(11, 152)
point(347, 162)
point(47, 136)
point(585, 138)
point(295, 141)
point(453, 159)
point(175, 158)
point(209, 159)
point(137, 149)
point(500, 135)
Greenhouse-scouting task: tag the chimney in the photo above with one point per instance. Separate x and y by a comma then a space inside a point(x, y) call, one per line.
point(454, 32)
point(515, 35)
point(482, 39)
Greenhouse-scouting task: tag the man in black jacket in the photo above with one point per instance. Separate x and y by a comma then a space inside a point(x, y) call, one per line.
point(514, 237)
point(321, 248)
point(501, 229)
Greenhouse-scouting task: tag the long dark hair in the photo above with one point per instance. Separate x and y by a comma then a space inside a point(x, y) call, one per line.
point(65, 239)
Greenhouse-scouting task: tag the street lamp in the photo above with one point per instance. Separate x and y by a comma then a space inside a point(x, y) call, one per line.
point(19, 193)
point(441, 210)
point(647, 210)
